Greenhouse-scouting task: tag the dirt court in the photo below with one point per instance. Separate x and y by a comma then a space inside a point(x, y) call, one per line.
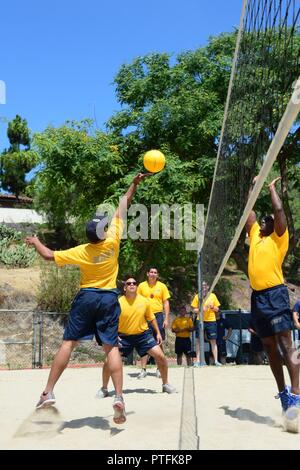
point(234, 405)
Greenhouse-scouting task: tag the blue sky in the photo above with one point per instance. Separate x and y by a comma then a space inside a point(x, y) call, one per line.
point(58, 58)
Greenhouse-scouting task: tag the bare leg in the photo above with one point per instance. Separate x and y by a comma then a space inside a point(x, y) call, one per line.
point(286, 346)
point(271, 348)
point(161, 362)
point(59, 364)
point(179, 359)
point(105, 374)
point(115, 366)
point(188, 360)
point(214, 349)
point(144, 360)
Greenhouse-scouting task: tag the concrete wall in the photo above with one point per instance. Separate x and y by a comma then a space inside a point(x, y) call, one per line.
point(16, 216)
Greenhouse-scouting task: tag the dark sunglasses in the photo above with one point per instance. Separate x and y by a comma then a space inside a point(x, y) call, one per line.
point(133, 283)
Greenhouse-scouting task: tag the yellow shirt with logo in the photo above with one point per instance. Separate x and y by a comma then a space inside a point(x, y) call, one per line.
point(266, 256)
point(98, 262)
point(157, 294)
point(134, 315)
point(208, 313)
point(182, 323)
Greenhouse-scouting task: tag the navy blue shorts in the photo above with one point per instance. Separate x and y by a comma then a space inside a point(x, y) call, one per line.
point(210, 329)
point(270, 311)
point(142, 343)
point(159, 317)
point(94, 312)
point(183, 345)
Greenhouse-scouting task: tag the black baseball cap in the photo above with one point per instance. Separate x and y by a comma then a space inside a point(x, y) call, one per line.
point(95, 228)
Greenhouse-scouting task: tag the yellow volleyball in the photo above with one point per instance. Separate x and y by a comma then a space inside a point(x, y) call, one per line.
point(154, 161)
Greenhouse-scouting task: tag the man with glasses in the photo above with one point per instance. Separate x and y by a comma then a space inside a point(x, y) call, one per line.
point(158, 295)
point(134, 333)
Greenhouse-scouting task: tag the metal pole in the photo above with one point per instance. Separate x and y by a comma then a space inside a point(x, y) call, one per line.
point(241, 337)
point(41, 319)
point(200, 307)
point(34, 341)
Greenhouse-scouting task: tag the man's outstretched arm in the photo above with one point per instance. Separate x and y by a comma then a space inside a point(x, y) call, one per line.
point(42, 250)
point(128, 196)
point(280, 223)
point(252, 216)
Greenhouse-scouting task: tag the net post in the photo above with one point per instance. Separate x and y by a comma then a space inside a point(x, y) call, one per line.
point(200, 307)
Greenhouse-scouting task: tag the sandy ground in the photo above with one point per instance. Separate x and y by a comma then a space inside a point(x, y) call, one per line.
point(236, 409)
point(79, 420)
point(234, 405)
point(25, 279)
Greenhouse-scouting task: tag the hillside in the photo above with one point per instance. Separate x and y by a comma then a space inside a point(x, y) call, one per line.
point(18, 287)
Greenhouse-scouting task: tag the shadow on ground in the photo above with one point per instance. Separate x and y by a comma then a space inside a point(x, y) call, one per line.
point(94, 422)
point(242, 414)
point(139, 390)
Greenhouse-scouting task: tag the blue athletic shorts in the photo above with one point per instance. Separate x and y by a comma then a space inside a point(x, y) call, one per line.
point(183, 345)
point(210, 329)
point(142, 343)
point(159, 317)
point(94, 312)
point(270, 311)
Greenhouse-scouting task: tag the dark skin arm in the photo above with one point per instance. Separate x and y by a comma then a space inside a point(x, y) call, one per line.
point(280, 223)
point(252, 216)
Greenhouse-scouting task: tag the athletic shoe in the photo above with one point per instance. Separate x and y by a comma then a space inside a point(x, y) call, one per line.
point(291, 419)
point(284, 398)
point(158, 374)
point(119, 410)
point(102, 393)
point(167, 388)
point(142, 374)
point(46, 399)
point(197, 364)
point(218, 364)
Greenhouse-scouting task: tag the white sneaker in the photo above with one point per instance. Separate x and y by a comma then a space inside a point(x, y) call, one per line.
point(46, 399)
point(142, 374)
point(167, 388)
point(102, 393)
point(158, 374)
point(218, 364)
point(119, 410)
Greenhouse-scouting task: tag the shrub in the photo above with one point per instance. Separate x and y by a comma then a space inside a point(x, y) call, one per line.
point(57, 288)
point(16, 255)
point(9, 233)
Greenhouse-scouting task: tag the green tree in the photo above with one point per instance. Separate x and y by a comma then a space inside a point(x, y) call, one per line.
point(15, 163)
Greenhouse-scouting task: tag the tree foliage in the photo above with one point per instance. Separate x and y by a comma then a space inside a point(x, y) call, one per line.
point(15, 163)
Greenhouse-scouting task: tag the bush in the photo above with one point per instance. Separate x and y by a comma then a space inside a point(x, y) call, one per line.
point(16, 255)
point(9, 233)
point(13, 252)
point(57, 288)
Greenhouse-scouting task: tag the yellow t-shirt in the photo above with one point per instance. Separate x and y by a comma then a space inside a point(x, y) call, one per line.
point(182, 322)
point(266, 256)
point(134, 315)
point(209, 314)
point(157, 294)
point(98, 262)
